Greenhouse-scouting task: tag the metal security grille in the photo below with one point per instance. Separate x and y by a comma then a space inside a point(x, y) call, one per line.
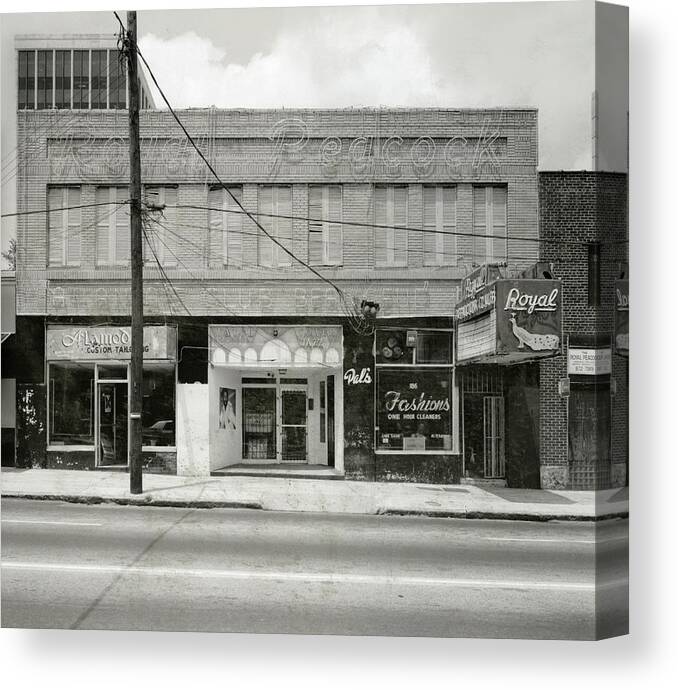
point(485, 379)
point(493, 422)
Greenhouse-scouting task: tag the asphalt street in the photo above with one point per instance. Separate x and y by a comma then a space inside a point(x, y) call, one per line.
point(138, 568)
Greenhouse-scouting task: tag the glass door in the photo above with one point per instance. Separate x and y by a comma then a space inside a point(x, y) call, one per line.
point(259, 437)
point(293, 420)
point(112, 402)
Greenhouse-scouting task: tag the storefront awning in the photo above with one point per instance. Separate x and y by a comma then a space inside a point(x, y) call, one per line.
point(275, 346)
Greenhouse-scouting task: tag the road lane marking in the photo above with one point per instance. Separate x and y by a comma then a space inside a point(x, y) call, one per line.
point(557, 541)
point(329, 578)
point(52, 522)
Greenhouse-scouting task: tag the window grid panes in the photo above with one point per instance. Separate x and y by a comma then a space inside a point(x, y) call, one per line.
point(81, 79)
point(99, 79)
point(45, 70)
point(26, 79)
point(62, 77)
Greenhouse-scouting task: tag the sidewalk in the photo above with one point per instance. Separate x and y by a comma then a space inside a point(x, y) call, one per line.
point(312, 495)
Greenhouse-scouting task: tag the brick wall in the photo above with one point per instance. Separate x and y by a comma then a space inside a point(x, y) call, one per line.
point(247, 148)
point(576, 208)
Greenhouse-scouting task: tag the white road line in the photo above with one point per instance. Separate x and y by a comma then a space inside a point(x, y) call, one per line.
point(52, 522)
point(330, 578)
point(607, 540)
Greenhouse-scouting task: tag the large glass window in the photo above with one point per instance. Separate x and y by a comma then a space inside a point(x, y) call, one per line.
point(99, 72)
point(26, 79)
point(414, 409)
point(62, 76)
point(117, 83)
point(45, 92)
point(71, 404)
point(81, 79)
point(158, 409)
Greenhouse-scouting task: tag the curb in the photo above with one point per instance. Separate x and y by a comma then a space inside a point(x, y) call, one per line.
point(487, 515)
point(146, 501)
point(251, 505)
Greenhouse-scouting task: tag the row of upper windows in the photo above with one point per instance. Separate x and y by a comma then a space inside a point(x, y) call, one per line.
point(167, 241)
point(73, 79)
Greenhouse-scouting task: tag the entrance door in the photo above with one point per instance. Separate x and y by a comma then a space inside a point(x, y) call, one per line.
point(493, 422)
point(589, 436)
point(112, 424)
point(292, 426)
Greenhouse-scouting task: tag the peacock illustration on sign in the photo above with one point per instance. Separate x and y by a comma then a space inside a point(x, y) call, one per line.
point(535, 341)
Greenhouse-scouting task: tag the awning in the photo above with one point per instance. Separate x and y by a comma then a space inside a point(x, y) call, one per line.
point(275, 346)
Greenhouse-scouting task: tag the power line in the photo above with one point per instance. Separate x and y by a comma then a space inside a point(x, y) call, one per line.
point(359, 224)
point(216, 176)
point(63, 208)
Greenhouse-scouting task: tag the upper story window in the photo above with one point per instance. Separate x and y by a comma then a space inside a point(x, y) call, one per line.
point(64, 226)
point(324, 227)
point(275, 209)
point(161, 231)
point(80, 79)
point(113, 226)
point(62, 79)
point(489, 224)
point(45, 74)
point(225, 226)
point(440, 225)
point(26, 79)
point(390, 233)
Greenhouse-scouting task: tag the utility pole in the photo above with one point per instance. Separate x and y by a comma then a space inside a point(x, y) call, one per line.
point(136, 260)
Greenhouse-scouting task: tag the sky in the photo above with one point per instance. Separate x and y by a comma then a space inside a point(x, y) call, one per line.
point(452, 55)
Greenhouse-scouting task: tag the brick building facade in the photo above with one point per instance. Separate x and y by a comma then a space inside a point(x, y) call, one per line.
point(391, 206)
point(583, 224)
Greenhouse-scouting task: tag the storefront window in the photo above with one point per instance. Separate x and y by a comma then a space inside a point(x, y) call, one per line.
point(434, 347)
point(157, 415)
point(71, 406)
point(414, 409)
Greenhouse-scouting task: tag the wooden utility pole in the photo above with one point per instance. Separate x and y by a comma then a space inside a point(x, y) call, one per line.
point(136, 260)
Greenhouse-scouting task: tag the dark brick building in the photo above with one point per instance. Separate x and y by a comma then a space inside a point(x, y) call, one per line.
point(583, 228)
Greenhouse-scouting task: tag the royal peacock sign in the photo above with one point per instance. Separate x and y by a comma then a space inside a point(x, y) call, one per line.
point(524, 322)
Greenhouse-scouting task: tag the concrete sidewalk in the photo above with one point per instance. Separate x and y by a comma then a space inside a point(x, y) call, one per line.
point(313, 495)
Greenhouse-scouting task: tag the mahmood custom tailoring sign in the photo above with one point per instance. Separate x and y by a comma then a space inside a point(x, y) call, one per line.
point(509, 320)
point(108, 342)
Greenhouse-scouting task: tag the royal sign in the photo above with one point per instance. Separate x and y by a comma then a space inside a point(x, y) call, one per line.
point(523, 320)
point(477, 290)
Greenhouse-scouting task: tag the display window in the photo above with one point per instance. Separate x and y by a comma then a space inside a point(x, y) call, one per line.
point(71, 404)
point(415, 391)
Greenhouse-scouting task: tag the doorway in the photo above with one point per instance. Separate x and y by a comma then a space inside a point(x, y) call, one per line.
point(275, 420)
point(292, 424)
point(113, 439)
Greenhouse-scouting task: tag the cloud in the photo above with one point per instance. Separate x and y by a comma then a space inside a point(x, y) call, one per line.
point(327, 64)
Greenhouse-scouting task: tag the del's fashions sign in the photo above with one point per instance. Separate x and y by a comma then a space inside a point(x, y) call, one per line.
point(511, 319)
point(414, 409)
point(108, 342)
